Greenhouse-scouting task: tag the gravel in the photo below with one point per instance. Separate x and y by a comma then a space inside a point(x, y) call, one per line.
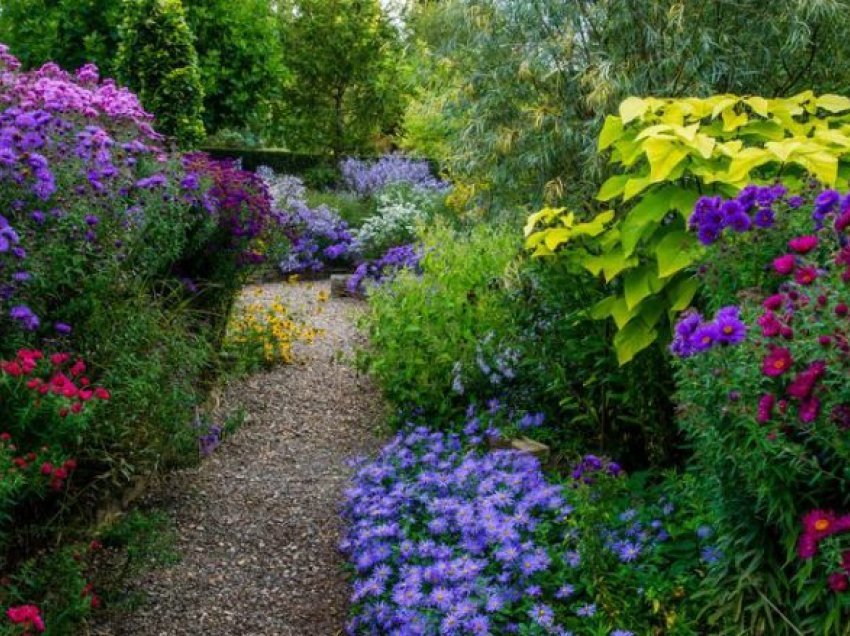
point(258, 521)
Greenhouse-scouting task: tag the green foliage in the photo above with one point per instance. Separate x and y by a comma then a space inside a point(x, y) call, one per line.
point(525, 86)
point(347, 85)
point(241, 61)
point(157, 59)
point(569, 370)
point(68, 32)
point(420, 328)
point(673, 150)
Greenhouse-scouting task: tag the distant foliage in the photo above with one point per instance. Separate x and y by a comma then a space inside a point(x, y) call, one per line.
point(157, 59)
point(524, 86)
point(240, 57)
point(347, 93)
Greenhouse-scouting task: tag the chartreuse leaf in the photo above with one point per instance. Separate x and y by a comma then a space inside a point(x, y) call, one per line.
point(833, 103)
point(759, 105)
point(620, 312)
point(635, 186)
point(633, 108)
point(675, 251)
point(610, 263)
point(651, 209)
point(612, 130)
point(603, 308)
point(747, 160)
point(663, 155)
point(632, 339)
point(681, 292)
point(556, 236)
point(595, 226)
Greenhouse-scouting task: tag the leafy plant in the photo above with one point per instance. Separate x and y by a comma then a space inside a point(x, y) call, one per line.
point(674, 150)
point(157, 59)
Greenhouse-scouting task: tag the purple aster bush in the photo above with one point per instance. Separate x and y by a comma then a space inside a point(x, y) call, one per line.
point(367, 178)
point(753, 208)
point(695, 335)
point(444, 538)
point(317, 237)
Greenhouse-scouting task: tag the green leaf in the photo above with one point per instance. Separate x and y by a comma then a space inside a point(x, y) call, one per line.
point(675, 252)
point(681, 292)
point(612, 130)
point(833, 103)
point(640, 218)
point(603, 308)
point(636, 286)
point(613, 187)
point(632, 339)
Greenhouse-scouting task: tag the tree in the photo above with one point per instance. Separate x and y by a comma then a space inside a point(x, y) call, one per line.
point(68, 32)
point(158, 60)
point(240, 58)
point(347, 84)
point(529, 83)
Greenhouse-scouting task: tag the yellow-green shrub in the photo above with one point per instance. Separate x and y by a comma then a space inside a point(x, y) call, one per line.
point(672, 151)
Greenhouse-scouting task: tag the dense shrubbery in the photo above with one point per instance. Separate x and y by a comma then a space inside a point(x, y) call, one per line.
point(118, 266)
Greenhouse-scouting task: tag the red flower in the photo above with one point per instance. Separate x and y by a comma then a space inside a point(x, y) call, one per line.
point(47, 468)
point(845, 561)
point(27, 615)
point(841, 309)
point(59, 359)
point(824, 341)
point(101, 394)
point(806, 275)
point(784, 264)
point(78, 368)
point(777, 362)
point(803, 244)
point(842, 221)
point(5, 437)
point(838, 582)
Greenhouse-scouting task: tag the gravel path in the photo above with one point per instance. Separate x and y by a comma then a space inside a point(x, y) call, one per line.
point(258, 522)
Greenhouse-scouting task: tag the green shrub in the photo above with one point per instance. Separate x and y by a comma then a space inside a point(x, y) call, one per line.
point(158, 60)
point(421, 327)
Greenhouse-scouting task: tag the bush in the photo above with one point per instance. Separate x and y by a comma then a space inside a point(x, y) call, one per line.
point(128, 258)
point(763, 399)
point(445, 538)
point(400, 211)
point(157, 59)
point(673, 150)
point(421, 326)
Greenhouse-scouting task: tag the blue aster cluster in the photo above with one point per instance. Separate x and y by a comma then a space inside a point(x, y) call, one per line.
point(368, 178)
point(445, 541)
point(752, 208)
point(395, 259)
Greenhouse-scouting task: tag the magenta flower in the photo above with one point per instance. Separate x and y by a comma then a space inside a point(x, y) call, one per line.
point(806, 275)
point(803, 244)
point(784, 264)
point(777, 362)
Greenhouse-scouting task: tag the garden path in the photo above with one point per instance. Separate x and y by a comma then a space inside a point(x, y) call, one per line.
point(258, 521)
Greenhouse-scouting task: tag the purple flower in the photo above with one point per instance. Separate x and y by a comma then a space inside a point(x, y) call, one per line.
point(586, 610)
point(62, 328)
point(25, 316)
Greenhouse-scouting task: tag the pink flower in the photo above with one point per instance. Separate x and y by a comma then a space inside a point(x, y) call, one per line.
point(765, 408)
point(774, 302)
point(820, 523)
point(809, 409)
point(770, 325)
point(838, 582)
point(806, 275)
point(807, 547)
point(777, 362)
point(27, 615)
point(803, 244)
point(784, 264)
point(803, 385)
